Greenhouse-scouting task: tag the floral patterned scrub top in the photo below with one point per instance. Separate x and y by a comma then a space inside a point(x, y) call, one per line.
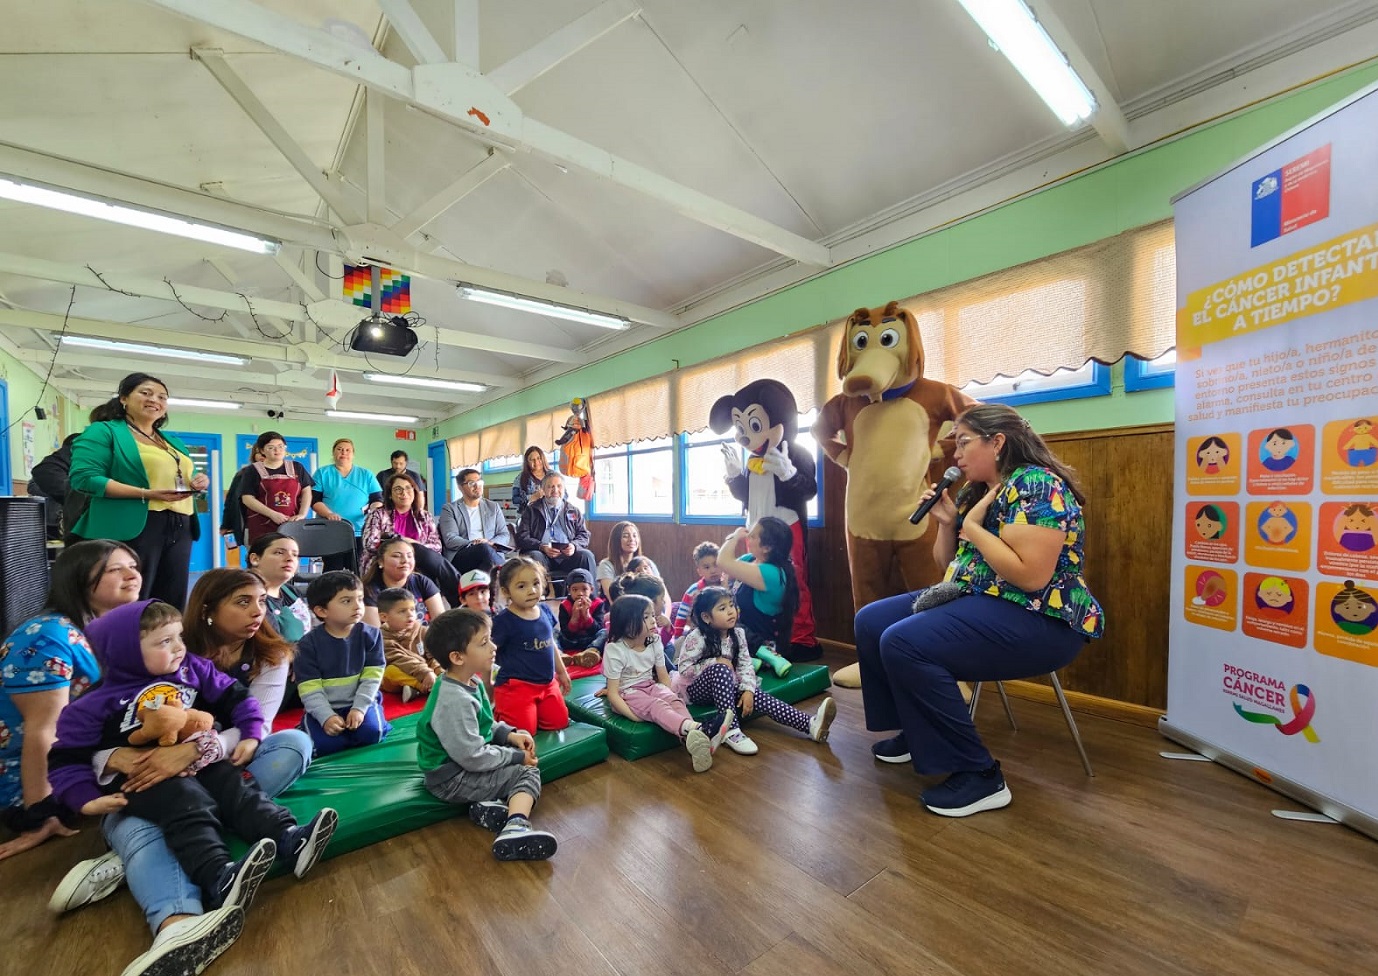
point(45, 653)
point(1035, 496)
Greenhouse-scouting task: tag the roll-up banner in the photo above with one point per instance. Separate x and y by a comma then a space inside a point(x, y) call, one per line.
point(1273, 654)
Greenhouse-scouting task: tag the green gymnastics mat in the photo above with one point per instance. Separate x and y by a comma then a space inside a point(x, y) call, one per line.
point(379, 793)
point(633, 740)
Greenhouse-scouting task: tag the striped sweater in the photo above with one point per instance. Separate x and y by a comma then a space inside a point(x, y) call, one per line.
point(335, 674)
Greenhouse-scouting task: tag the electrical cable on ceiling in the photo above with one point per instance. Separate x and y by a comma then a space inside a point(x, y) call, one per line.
point(204, 318)
point(52, 363)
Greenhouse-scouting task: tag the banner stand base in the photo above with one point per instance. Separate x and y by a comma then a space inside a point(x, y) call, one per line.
point(1305, 816)
point(1326, 806)
point(1185, 756)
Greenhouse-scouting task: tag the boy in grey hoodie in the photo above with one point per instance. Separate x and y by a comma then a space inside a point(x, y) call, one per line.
point(465, 755)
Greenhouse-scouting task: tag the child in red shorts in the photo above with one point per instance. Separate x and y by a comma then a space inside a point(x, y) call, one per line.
point(528, 692)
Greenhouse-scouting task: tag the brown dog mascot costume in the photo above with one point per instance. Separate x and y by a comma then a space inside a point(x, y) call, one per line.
point(884, 428)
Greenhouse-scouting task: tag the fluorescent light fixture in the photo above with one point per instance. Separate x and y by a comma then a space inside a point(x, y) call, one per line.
point(202, 404)
point(139, 349)
point(455, 385)
point(133, 216)
point(523, 304)
point(392, 418)
point(1012, 27)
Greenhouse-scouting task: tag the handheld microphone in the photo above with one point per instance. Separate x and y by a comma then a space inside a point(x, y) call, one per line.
point(950, 477)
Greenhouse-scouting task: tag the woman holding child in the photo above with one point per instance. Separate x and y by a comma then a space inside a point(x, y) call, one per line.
point(1013, 604)
point(226, 623)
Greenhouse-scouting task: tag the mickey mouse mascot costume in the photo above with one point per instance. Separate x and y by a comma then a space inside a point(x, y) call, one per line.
point(779, 479)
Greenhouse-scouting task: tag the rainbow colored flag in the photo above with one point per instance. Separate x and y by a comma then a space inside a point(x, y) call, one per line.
point(358, 288)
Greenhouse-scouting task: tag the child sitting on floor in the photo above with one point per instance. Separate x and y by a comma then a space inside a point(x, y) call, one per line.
point(528, 692)
point(706, 565)
point(583, 622)
point(145, 661)
point(639, 685)
point(715, 667)
point(339, 667)
point(475, 591)
point(411, 670)
point(653, 589)
point(466, 756)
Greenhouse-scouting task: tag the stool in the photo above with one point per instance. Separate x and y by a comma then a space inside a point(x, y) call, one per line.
point(1062, 700)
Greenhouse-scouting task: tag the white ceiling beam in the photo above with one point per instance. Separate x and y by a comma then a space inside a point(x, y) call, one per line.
point(286, 398)
point(469, 181)
point(230, 381)
point(354, 243)
point(19, 354)
point(285, 328)
point(329, 313)
point(25, 164)
point(303, 280)
point(465, 35)
point(408, 26)
point(298, 355)
point(335, 195)
point(1108, 121)
point(460, 96)
point(375, 141)
point(520, 71)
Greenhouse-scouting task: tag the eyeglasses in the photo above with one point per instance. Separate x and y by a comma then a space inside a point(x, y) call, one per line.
point(471, 482)
point(965, 441)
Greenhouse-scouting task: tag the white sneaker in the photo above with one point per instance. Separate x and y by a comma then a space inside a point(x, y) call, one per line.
point(699, 748)
point(738, 742)
point(729, 716)
point(189, 946)
point(89, 881)
point(822, 719)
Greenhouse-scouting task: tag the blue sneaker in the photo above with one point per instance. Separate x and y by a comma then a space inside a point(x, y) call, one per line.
point(892, 750)
point(962, 794)
point(239, 881)
point(301, 847)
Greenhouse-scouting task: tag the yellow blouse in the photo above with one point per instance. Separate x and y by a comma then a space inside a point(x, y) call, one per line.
point(162, 476)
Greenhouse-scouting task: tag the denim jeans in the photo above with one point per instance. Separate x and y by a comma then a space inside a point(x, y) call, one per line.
point(155, 879)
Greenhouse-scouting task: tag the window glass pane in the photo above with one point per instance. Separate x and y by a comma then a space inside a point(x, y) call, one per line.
point(806, 441)
point(506, 461)
point(705, 490)
point(1031, 382)
point(653, 483)
point(610, 498)
point(1166, 363)
point(618, 450)
point(658, 443)
point(706, 437)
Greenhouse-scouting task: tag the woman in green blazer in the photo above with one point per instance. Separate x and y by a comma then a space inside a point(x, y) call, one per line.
point(141, 482)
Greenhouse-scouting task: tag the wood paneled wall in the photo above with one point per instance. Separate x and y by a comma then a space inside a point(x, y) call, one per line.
point(1127, 475)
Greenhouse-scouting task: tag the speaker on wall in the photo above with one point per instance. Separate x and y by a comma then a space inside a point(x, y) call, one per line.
point(23, 561)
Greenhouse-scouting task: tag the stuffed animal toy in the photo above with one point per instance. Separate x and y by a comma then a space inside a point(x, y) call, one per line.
point(576, 447)
point(779, 479)
point(167, 723)
point(884, 429)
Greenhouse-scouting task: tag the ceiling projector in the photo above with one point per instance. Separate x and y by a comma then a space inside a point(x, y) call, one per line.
point(385, 335)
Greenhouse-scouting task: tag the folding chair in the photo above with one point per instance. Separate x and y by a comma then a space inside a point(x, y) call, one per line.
point(1062, 700)
point(318, 538)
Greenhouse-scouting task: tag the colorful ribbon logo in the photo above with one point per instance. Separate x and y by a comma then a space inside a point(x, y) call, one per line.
point(1302, 713)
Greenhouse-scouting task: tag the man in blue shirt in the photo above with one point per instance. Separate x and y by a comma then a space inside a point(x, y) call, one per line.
point(346, 492)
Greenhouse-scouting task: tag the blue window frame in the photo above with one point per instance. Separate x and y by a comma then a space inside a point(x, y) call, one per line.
point(1091, 380)
point(703, 495)
point(635, 481)
point(1150, 374)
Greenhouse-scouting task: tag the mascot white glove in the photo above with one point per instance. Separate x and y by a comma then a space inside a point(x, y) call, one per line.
point(777, 462)
point(732, 460)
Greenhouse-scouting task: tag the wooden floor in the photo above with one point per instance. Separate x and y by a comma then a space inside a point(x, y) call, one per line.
point(806, 860)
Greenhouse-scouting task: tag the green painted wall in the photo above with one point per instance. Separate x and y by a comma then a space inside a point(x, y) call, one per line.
point(24, 387)
point(373, 444)
point(1117, 197)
